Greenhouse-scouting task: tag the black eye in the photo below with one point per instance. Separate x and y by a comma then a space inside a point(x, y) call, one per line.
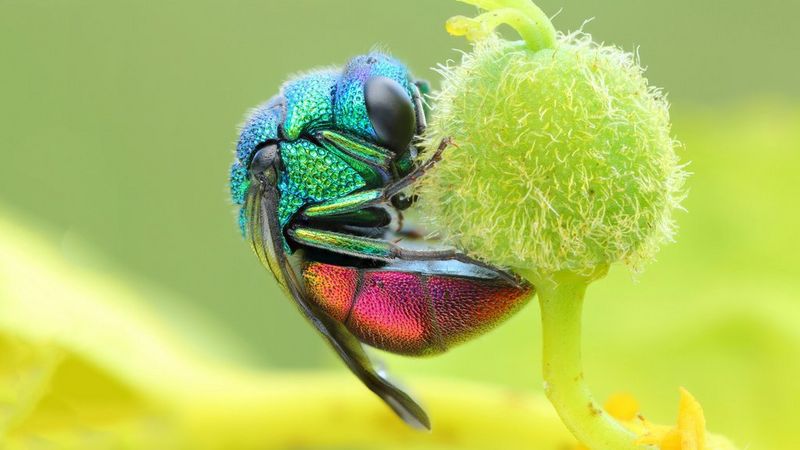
point(391, 113)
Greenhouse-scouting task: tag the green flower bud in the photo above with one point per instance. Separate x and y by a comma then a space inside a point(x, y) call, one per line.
point(562, 159)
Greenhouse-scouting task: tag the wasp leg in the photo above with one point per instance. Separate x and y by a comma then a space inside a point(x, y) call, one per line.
point(395, 188)
point(358, 148)
point(369, 198)
point(347, 204)
point(382, 250)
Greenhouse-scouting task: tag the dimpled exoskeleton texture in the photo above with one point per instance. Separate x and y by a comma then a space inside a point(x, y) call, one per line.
point(261, 126)
point(412, 313)
point(563, 157)
point(312, 175)
point(350, 109)
point(239, 182)
point(328, 99)
point(308, 102)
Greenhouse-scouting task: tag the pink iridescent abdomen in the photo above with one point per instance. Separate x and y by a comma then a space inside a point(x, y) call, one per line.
point(412, 313)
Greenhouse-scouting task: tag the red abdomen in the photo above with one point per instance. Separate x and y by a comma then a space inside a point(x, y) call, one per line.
point(412, 313)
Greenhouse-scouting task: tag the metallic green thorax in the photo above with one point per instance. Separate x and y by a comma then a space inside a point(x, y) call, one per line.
point(326, 141)
point(313, 174)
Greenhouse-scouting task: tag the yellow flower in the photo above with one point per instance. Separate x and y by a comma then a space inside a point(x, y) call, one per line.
point(689, 433)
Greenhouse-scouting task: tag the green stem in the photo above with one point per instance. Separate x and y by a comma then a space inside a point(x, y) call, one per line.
point(561, 301)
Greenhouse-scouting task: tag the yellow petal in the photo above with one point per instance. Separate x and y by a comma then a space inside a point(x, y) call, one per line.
point(691, 423)
point(689, 434)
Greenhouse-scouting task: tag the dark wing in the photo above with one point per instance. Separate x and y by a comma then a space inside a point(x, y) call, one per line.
point(262, 215)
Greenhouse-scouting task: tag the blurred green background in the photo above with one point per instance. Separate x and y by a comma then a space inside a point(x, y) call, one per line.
point(118, 119)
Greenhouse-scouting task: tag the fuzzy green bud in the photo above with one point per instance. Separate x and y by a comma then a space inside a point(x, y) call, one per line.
point(563, 156)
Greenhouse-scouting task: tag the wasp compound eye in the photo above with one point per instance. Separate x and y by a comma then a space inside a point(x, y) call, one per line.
point(391, 113)
point(262, 166)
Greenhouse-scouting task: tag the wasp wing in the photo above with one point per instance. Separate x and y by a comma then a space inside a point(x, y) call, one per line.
point(267, 241)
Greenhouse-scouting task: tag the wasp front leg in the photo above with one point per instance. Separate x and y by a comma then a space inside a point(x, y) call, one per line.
point(396, 187)
point(347, 204)
point(370, 198)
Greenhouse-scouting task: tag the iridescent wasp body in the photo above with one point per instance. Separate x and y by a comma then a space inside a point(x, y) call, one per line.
point(319, 177)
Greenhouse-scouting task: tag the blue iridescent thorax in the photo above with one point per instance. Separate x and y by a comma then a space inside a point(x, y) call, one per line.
point(321, 100)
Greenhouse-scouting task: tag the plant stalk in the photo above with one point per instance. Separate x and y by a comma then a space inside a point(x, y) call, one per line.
point(524, 16)
point(561, 302)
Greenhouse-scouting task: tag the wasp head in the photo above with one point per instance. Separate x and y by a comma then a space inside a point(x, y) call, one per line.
point(377, 99)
